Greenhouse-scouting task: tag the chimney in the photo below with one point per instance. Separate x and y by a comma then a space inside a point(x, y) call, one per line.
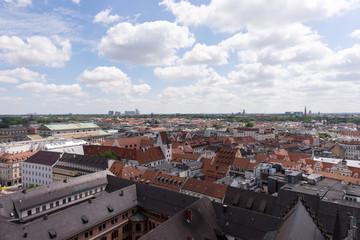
point(225, 208)
point(189, 214)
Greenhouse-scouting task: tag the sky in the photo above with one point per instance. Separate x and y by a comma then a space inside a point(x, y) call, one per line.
point(176, 56)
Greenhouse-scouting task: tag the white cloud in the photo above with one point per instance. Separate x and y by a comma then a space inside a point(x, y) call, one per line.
point(203, 54)
point(35, 50)
point(3, 90)
point(149, 43)
point(177, 73)
point(111, 79)
point(231, 16)
point(20, 3)
point(104, 17)
point(21, 74)
point(76, 1)
point(73, 90)
point(355, 34)
point(11, 100)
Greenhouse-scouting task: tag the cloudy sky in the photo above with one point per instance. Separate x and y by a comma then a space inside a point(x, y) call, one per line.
point(173, 56)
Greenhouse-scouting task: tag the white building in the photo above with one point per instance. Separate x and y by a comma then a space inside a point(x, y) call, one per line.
point(87, 131)
point(162, 141)
point(38, 169)
point(259, 134)
point(55, 145)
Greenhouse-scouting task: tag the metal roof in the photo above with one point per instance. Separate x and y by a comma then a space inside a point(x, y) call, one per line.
point(55, 127)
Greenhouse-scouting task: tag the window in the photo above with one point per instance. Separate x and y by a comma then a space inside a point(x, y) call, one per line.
point(64, 201)
point(57, 203)
point(86, 235)
point(51, 205)
point(100, 228)
point(69, 199)
point(37, 209)
point(29, 212)
point(44, 207)
point(138, 228)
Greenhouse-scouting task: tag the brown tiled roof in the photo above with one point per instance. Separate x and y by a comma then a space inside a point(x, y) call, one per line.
point(206, 160)
point(206, 188)
point(286, 164)
point(133, 142)
point(169, 181)
point(132, 173)
point(214, 172)
point(225, 157)
point(148, 176)
point(240, 163)
point(296, 156)
point(339, 177)
point(144, 155)
point(15, 157)
point(251, 165)
point(164, 138)
point(116, 168)
point(261, 157)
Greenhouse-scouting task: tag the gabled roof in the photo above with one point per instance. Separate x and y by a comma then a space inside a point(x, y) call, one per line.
point(206, 188)
point(44, 158)
point(298, 224)
point(197, 221)
point(214, 172)
point(82, 163)
point(116, 168)
point(15, 157)
point(143, 156)
point(168, 181)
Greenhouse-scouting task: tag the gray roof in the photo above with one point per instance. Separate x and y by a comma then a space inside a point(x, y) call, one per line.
point(138, 217)
point(82, 163)
point(68, 222)
point(44, 158)
point(298, 224)
point(20, 201)
point(201, 225)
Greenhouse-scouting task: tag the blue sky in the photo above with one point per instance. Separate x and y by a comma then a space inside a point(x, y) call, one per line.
point(214, 56)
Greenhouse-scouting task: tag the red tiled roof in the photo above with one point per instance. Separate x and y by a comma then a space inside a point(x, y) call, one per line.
point(226, 156)
point(214, 172)
point(168, 181)
point(15, 157)
point(144, 155)
point(148, 176)
point(205, 188)
point(116, 168)
point(132, 173)
point(339, 177)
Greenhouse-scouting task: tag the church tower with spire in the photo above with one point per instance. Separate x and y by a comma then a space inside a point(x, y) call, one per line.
point(305, 111)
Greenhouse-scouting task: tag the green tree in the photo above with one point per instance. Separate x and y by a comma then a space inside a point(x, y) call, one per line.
point(109, 154)
point(249, 124)
point(324, 135)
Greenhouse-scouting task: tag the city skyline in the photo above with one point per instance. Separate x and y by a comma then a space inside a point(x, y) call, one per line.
point(214, 56)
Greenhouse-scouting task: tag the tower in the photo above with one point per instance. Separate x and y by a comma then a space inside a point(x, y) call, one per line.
point(305, 111)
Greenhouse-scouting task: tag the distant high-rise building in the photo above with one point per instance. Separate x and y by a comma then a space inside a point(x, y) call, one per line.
point(111, 113)
point(137, 112)
point(305, 111)
point(309, 112)
point(243, 112)
point(117, 113)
